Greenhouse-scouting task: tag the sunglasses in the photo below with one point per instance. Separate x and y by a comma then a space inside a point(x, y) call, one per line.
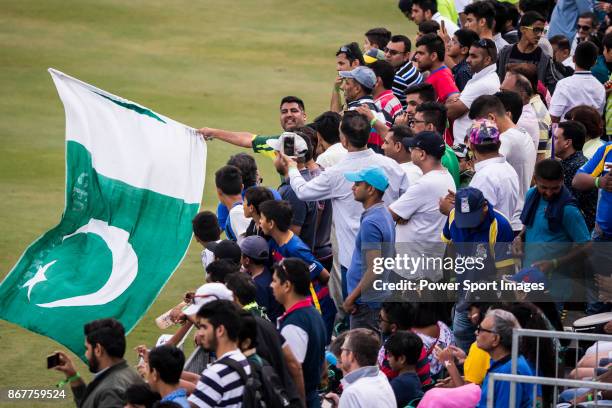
point(536, 30)
point(393, 52)
point(583, 27)
point(346, 50)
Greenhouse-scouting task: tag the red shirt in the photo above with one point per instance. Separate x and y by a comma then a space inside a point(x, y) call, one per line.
point(443, 82)
point(389, 103)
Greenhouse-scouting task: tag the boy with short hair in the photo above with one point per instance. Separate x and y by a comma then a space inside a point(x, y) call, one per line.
point(165, 368)
point(403, 351)
point(228, 181)
point(206, 229)
point(275, 221)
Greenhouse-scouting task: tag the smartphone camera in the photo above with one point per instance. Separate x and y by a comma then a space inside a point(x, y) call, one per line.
point(53, 360)
point(289, 146)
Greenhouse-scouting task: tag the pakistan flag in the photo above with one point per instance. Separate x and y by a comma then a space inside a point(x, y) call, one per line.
point(134, 181)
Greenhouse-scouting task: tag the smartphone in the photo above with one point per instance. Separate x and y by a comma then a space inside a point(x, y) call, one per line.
point(53, 360)
point(289, 146)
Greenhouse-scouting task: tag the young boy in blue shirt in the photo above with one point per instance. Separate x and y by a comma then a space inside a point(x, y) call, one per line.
point(275, 220)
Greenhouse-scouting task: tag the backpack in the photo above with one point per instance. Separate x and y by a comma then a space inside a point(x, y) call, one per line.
point(263, 388)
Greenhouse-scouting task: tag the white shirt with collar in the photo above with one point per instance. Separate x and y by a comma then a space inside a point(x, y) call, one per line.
point(499, 184)
point(518, 149)
point(499, 41)
point(331, 184)
point(529, 122)
point(582, 88)
point(448, 24)
point(485, 82)
point(333, 155)
point(367, 387)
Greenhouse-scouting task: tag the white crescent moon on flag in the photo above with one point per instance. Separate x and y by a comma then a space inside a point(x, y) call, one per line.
point(124, 269)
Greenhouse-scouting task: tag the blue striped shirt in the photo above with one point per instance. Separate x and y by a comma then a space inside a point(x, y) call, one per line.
point(405, 77)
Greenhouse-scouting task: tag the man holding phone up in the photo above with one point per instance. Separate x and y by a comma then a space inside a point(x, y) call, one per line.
point(105, 343)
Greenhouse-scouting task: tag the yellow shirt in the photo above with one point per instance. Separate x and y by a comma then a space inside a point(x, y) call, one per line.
point(476, 365)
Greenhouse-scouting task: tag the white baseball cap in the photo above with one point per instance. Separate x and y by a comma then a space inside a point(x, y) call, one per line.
point(300, 144)
point(206, 294)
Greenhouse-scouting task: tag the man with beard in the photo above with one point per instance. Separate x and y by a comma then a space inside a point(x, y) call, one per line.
point(105, 347)
point(218, 325)
point(292, 116)
point(429, 56)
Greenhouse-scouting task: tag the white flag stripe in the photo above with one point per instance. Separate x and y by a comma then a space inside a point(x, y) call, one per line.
point(168, 158)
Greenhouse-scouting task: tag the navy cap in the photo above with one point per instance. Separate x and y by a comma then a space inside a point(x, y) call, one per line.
point(431, 142)
point(225, 249)
point(255, 247)
point(468, 207)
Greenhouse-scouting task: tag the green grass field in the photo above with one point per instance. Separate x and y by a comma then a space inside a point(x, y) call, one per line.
point(203, 63)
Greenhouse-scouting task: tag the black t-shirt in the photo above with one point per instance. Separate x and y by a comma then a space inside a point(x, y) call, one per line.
point(517, 56)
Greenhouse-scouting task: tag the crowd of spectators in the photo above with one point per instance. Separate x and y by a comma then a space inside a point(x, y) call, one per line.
point(484, 137)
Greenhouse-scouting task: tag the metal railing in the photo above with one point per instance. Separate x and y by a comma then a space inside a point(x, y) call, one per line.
point(556, 382)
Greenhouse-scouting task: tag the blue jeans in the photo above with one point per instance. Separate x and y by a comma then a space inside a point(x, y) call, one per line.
point(463, 328)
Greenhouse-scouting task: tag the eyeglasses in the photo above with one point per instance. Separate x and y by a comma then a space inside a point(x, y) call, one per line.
point(483, 43)
point(536, 30)
point(393, 52)
point(414, 121)
point(482, 329)
point(583, 27)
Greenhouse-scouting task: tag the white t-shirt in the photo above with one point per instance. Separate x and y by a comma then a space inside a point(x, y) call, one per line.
point(420, 236)
point(485, 82)
point(412, 171)
point(499, 184)
point(529, 122)
point(334, 154)
point(582, 88)
point(517, 146)
point(420, 206)
point(238, 222)
point(297, 340)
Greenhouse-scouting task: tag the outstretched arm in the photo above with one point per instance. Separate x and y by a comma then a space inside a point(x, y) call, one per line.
point(241, 139)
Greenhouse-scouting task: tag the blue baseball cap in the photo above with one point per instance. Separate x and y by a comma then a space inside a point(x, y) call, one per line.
point(364, 75)
point(374, 176)
point(468, 207)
